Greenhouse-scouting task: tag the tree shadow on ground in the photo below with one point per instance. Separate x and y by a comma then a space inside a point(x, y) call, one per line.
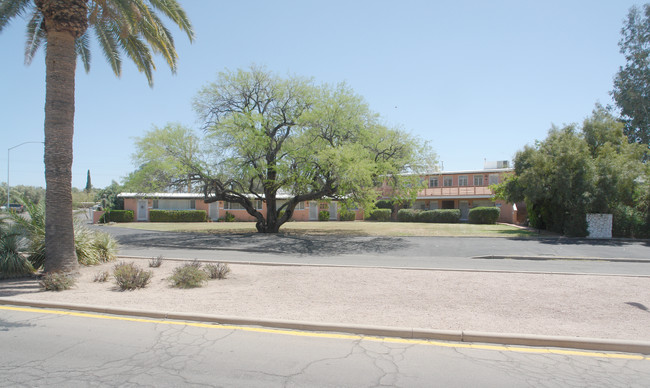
point(593, 242)
point(281, 243)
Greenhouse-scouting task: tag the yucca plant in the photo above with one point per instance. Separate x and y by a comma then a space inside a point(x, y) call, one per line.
point(12, 262)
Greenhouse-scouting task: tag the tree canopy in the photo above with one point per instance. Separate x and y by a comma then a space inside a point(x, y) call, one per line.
point(632, 82)
point(574, 171)
point(284, 141)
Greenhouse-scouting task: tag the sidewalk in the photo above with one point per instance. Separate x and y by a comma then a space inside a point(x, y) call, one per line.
point(510, 308)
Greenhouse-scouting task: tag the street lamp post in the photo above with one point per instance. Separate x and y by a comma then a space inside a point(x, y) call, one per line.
point(9, 149)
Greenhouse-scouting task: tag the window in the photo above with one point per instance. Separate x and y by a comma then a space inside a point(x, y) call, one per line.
point(258, 205)
point(494, 179)
point(300, 206)
point(232, 206)
point(433, 181)
point(462, 180)
point(478, 180)
point(448, 181)
point(174, 204)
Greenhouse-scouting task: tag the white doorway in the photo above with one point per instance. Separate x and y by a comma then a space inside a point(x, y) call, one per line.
point(142, 210)
point(213, 211)
point(313, 211)
point(464, 210)
point(333, 212)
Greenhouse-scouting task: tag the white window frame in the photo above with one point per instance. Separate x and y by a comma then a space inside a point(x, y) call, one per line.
point(493, 179)
point(478, 180)
point(462, 180)
point(448, 181)
point(433, 181)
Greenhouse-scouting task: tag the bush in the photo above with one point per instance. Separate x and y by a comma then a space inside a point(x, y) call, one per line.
point(156, 215)
point(101, 276)
point(188, 275)
point(426, 216)
point(384, 204)
point(117, 216)
point(93, 247)
point(407, 215)
point(446, 216)
point(347, 215)
point(323, 215)
point(229, 217)
point(380, 215)
point(217, 271)
point(129, 276)
point(12, 263)
point(484, 215)
point(57, 281)
point(629, 222)
point(156, 261)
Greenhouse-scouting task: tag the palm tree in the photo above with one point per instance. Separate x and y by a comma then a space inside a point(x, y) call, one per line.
point(123, 27)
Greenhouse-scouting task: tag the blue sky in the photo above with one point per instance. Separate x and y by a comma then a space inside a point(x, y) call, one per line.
point(478, 79)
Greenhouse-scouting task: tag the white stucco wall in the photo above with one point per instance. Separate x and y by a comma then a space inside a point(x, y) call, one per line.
point(599, 225)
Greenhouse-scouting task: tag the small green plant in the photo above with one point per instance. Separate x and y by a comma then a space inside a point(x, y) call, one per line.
point(101, 276)
point(217, 271)
point(156, 261)
point(323, 215)
point(57, 281)
point(188, 275)
point(229, 217)
point(129, 276)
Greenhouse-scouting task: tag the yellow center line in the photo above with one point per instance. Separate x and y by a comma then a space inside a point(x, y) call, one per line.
point(500, 348)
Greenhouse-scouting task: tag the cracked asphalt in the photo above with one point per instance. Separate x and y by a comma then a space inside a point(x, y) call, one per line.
point(63, 350)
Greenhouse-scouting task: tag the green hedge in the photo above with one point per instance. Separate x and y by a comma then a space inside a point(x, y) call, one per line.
point(407, 215)
point(630, 222)
point(323, 215)
point(156, 215)
point(484, 215)
point(347, 215)
point(380, 215)
point(384, 204)
point(117, 216)
point(439, 216)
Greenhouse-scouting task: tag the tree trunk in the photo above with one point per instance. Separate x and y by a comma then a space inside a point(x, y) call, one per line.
point(59, 127)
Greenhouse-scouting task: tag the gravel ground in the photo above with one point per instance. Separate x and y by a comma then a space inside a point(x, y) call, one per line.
point(614, 307)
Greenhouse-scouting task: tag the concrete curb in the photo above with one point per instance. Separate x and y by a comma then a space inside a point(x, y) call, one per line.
point(596, 344)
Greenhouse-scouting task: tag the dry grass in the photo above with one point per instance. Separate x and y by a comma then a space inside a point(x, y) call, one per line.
point(356, 228)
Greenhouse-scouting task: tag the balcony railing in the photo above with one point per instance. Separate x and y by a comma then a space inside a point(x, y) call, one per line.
point(455, 191)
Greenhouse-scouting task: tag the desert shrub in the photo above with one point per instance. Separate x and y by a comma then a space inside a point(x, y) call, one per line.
point(114, 215)
point(384, 204)
point(129, 276)
point(57, 281)
point(217, 271)
point(484, 215)
point(323, 215)
point(157, 215)
point(12, 262)
point(347, 215)
point(101, 276)
point(93, 247)
point(407, 215)
point(156, 261)
point(188, 275)
point(380, 215)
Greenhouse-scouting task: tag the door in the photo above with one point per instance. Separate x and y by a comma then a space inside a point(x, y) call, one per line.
point(464, 210)
point(142, 210)
point(213, 211)
point(333, 211)
point(313, 211)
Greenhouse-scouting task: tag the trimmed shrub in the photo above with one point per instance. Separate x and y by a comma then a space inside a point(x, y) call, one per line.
point(188, 275)
point(384, 204)
point(347, 215)
point(57, 281)
point(407, 215)
point(380, 215)
point(323, 215)
point(446, 216)
point(117, 216)
point(129, 276)
point(157, 215)
point(217, 271)
point(484, 215)
point(426, 216)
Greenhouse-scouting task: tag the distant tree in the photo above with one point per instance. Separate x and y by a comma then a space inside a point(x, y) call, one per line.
point(20, 193)
point(287, 136)
point(574, 172)
point(107, 197)
point(89, 185)
point(164, 157)
point(632, 82)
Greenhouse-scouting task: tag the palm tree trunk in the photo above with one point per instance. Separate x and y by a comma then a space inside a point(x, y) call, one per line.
point(60, 62)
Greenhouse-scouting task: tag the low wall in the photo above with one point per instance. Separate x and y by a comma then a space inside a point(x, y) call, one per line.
point(599, 225)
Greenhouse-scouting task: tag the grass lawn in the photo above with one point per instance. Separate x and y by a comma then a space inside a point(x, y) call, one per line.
point(356, 228)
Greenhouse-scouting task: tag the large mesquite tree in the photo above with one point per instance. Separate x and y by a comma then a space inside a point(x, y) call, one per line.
point(288, 137)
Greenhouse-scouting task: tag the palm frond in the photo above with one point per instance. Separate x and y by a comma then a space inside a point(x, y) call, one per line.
point(9, 9)
point(175, 12)
point(35, 36)
point(82, 47)
point(140, 54)
point(107, 40)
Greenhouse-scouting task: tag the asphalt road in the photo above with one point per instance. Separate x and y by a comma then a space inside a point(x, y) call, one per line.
point(47, 348)
point(561, 255)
